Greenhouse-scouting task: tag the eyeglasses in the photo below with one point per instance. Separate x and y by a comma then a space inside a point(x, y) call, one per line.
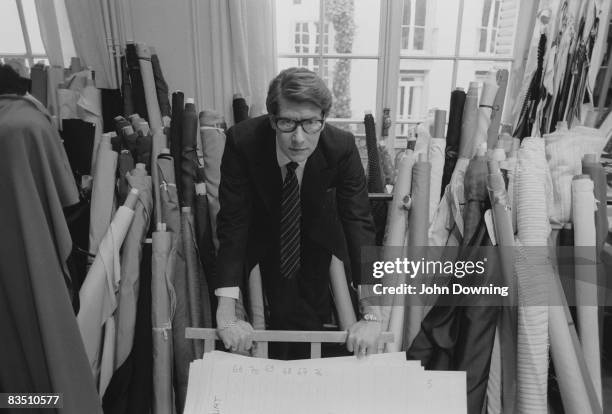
point(309, 126)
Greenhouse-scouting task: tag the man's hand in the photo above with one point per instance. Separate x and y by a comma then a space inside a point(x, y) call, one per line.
point(236, 334)
point(363, 338)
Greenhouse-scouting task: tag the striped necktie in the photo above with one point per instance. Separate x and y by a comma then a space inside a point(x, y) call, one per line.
point(291, 214)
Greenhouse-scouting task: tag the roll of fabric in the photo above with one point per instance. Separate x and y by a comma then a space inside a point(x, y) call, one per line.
point(453, 134)
point(189, 156)
point(138, 93)
point(375, 184)
point(162, 308)
point(395, 237)
point(476, 198)
point(144, 145)
point(148, 83)
point(161, 87)
point(206, 248)
point(418, 225)
point(55, 76)
point(38, 75)
point(97, 296)
point(240, 107)
point(126, 88)
point(375, 181)
point(131, 254)
point(78, 137)
point(506, 332)
point(596, 171)
point(103, 193)
point(176, 132)
point(418, 220)
point(342, 297)
point(498, 106)
point(469, 123)
point(437, 147)
point(485, 110)
point(171, 216)
point(534, 275)
point(585, 270)
point(126, 164)
point(256, 300)
point(213, 144)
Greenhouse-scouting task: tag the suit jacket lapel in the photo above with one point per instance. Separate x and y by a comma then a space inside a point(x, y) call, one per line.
point(266, 171)
point(317, 174)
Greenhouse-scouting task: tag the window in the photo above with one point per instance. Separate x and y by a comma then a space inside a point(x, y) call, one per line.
point(307, 39)
point(410, 97)
point(20, 36)
point(403, 55)
point(20, 39)
point(489, 24)
point(413, 24)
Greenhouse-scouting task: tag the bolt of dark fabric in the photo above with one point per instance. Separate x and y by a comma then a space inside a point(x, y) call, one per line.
point(38, 75)
point(131, 387)
point(77, 218)
point(120, 123)
point(161, 87)
point(111, 108)
point(124, 165)
point(241, 110)
point(144, 146)
point(130, 141)
point(126, 89)
point(189, 157)
point(78, 137)
point(375, 182)
point(138, 96)
point(206, 248)
point(460, 336)
point(184, 350)
point(176, 133)
point(476, 201)
point(453, 136)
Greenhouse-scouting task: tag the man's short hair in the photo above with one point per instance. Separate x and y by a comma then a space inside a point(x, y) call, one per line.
point(298, 85)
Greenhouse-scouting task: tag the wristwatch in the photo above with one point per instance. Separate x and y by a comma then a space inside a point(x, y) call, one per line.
point(370, 317)
point(227, 324)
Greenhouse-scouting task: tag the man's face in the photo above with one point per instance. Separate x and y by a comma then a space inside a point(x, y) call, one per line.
point(298, 144)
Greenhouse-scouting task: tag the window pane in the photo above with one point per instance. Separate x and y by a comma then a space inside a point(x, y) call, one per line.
point(477, 70)
point(437, 21)
point(353, 85)
point(406, 13)
point(11, 37)
point(419, 38)
point(292, 23)
point(426, 84)
point(353, 30)
point(29, 11)
point(482, 15)
point(420, 12)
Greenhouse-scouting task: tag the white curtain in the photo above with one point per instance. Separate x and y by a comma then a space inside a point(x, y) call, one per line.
point(237, 35)
point(90, 39)
point(55, 31)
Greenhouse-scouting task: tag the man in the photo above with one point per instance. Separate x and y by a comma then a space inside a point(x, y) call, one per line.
point(292, 190)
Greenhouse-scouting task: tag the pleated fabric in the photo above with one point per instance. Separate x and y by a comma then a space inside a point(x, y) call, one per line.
point(534, 274)
point(437, 148)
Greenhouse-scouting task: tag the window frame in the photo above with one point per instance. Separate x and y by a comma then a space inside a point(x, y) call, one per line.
point(389, 57)
point(28, 56)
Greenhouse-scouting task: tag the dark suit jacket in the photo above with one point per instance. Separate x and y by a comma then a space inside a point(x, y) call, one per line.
point(336, 219)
